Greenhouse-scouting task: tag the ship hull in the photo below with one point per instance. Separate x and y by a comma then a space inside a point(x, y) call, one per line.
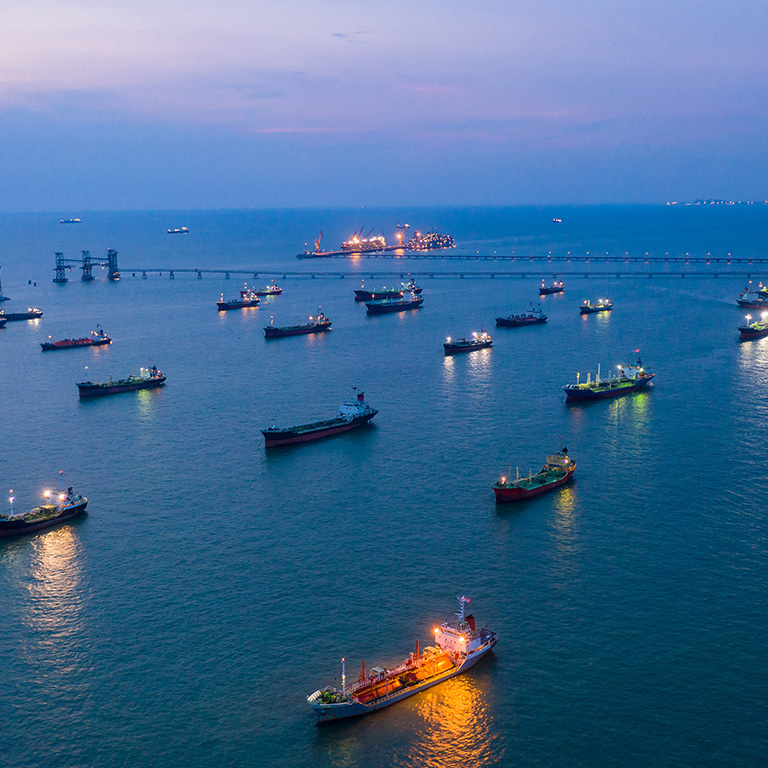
point(752, 303)
point(576, 395)
point(270, 332)
point(506, 322)
point(290, 437)
point(225, 305)
point(385, 309)
point(746, 333)
point(331, 712)
point(547, 291)
point(457, 349)
point(90, 390)
point(50, 346)
point(18, 527)
point(10, 316)
point(504, 495)
point(363, 295)
point(594, 310)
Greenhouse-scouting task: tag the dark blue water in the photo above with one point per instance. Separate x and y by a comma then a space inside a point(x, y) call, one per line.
point(212, 586)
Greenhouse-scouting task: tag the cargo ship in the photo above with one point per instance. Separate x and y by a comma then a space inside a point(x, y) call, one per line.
point(394, 305)
point(70, 221)
point(458, 646)
point(32, 313)
point(557, 287)
point(628, 378)
point(148, 378)
point(223, 306)
point(362, 294)
point(429, 241)
point(533, 317)
point(753, 299)
point(479, 340)
point(359, 244)
point(270, 290)
point(58, 506)
point(318, 324)
point(352, 413)
point(96, 339)
point(755, 330)
point(179, 231)
point(558, 469)
point(601, 305)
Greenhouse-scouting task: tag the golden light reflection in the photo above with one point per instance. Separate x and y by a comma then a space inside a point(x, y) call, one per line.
point(145, 402)
point(457, 727)
point(753, 361)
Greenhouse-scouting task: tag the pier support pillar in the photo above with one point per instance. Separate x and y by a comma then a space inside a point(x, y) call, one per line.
point(60, 269)
point(143, 275)
point(87, 267)
point(171, 276)
point(113, 273)
point(199, 275)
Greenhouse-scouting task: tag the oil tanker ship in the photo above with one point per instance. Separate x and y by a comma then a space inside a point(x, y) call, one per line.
point(352, 413)
point(478, 340)
point(601, 305)
point(533, 317)
point(58, 506)
point(362, 294)
point(628, 378)
point(557, 470)
point(318, 324)
point(32, 313)
point(755, 330)
point(147, 379)
point(459, 645)
point(97, 339)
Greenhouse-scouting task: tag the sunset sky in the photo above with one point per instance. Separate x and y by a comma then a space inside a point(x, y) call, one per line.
point(129, 104)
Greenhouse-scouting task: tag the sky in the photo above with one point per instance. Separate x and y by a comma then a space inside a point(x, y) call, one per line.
point(164, 104)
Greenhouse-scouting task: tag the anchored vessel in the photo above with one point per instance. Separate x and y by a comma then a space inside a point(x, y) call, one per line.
point(32, 313)
point(755, 330)
point(394, 305)
point(70, 221)
point(318, 324)
point(754, 299)
point(628, 378)
point(250, 301)
point(147, 379)
point(179, 231)
point(479, 340)
point(459, 645)
point(557, 287)
point(58, 506)
point(352, 413)
point(270, 290)
point(533, 317)
point(601, 305)
point(361, 294)
point(557, 470)
point(429, 241)
point(96, 339)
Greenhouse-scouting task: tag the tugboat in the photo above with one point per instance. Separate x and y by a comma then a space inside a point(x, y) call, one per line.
point(755, 330)
point(557, 470)
point(557, 287)
point(394, 305)
point(361, 294)
point(96, 339)
point(352, 413)
point(459, 645)
point(601, 305)
point(429, 241)
point(270, 290)
point(223, 306)
point(532, 317)
point(32, 313)
point(318, 324)
point(628, 378)
point(56, 508)
point(478, 341)
point(148, 378)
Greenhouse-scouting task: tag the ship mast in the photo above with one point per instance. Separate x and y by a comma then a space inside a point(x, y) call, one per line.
point(462, 599)
point(343, 677)
point(10, 503)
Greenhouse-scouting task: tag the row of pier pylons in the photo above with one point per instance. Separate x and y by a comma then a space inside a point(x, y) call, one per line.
point(86, 265)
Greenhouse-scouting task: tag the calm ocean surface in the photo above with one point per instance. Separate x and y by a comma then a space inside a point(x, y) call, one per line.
point(211, 586)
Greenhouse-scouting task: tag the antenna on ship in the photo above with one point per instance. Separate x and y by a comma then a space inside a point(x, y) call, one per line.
point(462, 599)
point(61, 479)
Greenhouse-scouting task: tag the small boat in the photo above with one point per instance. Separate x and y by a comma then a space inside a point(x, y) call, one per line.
point(32, 313)
point(601, 305)
point(458, 646)
point(148, 378)
point(352, 413)
point(70, 221)
point(318, 324)
point(58, 506)
point(628, 378)
point(557, 470)
point(179, 231)
point(532, 317)
point(237, 303)
point(394, 305)
point(96, 339)
point(557, 221)
point(557, 287)
point(476, 341)
point(755, 330)
point(361, 294)
point(270, 290)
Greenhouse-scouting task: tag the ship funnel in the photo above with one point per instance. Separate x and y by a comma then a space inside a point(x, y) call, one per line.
point(361, 397)
point(471, 621)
